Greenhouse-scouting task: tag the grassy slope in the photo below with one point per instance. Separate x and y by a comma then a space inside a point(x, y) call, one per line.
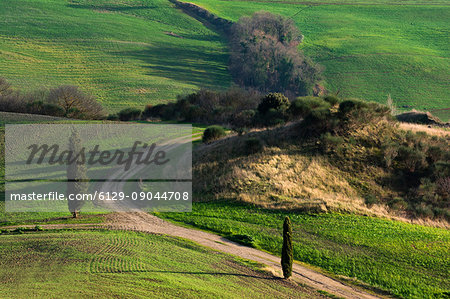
point(126, 264)
point(369, 51)
point(408, 260)
point(20, 118)
point(118, 50)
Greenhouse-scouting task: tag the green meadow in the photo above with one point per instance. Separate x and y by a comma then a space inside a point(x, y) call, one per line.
point(127, 53)
point(407, 260)
point(131, 53)
point(369, 48)
point(111, 264)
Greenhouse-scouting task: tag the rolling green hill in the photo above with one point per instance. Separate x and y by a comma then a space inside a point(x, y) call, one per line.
point(369, 48)
point(130, 53)
point(127, 264)
point(127, 53)
point(391, 255)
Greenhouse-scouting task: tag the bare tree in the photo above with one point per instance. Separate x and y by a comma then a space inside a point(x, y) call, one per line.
point(75, 103)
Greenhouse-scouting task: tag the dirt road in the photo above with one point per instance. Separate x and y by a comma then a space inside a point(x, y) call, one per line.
point(144, 222)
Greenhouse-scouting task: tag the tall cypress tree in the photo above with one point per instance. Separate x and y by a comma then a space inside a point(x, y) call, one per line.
point(77, 180)
point(287, 252)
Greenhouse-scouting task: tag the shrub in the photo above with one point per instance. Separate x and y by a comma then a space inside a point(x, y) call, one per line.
point(319, 117)
point(410, 159)
point(147, 111)
point(398, 203)
point(242, 239)
point(129, 114)
point(332, 100)
point(75, 103)
point(424, 210)
point(330, 142)
point(243, 120)
point(213, 133)
point(302, 106)
point(347, 106)
point(370, 200)
point(113, 116)
point(253, 145)
point(287, 251)
point(435, 153)
point(275, 101)
point(443, 187)
point(211, 107)
point(273, 109)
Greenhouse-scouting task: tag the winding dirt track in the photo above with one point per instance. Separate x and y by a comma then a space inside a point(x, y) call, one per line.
point(141, 221)
point(144, 222)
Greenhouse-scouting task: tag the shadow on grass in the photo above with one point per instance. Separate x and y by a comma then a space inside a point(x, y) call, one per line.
point(193, 65)
point(116, 8)
point(274, 278)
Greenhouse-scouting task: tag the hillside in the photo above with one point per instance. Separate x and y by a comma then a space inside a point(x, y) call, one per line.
point(127, 53)
point(369, 48)
point(128, 264)
point(130, 53)
point(351, 157)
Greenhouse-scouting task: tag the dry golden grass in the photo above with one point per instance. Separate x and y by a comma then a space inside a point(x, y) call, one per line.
point(283, 176)
point(430, 130)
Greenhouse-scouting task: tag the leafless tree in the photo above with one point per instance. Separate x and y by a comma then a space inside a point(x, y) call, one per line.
point(75, 103)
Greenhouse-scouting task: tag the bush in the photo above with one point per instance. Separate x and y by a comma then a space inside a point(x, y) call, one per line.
point(370, 200)
point(242, 239)
point(210, 107)
point(332, 100)
point(443, 187)
point(302, 106)
point(129, 114)
point(75, 103)
point(347, 106)
point(213, 133)
point(253, 145)
point(113, 116)
point(398, 203)
point(275, 101)
point(243, 120)
point(410, 159)
point(273, 109)
point(330, 143)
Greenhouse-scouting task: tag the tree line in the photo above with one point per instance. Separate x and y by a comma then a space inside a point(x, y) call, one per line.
point(63, 101)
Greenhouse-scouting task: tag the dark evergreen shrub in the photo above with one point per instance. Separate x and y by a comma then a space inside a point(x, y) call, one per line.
point(129, 114)
point(213, 133)
point(287, 251)
point(253, 145)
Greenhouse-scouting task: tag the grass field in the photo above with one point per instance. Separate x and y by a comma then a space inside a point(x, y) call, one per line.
point(126, 52)
point(129, 53)
point(111, 264)
point(407, 260)
point(369, 48)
